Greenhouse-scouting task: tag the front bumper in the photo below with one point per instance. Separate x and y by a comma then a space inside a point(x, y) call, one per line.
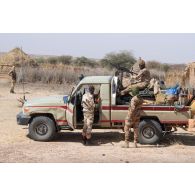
point(22, 119)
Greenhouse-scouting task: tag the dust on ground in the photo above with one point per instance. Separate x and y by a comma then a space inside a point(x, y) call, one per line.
point(15, 146)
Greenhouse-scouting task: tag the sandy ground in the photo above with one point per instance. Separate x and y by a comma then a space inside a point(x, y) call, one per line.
point(15, 146)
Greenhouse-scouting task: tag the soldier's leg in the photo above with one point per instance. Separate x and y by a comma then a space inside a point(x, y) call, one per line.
point(12, 86)
point(127, 132)
point(84, 132)
point(141, 85)
point(136, 132)
point(90, 120)
point(128, 89)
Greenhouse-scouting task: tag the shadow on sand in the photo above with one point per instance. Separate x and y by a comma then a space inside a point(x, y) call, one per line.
point(99, 138)
point(113, 137)
point(186, 138)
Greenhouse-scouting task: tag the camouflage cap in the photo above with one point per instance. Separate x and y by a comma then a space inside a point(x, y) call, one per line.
point(91, 88)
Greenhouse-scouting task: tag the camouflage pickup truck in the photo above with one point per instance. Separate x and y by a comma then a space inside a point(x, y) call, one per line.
point(48, 115)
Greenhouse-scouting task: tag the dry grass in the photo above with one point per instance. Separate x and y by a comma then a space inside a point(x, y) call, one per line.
point(58, 74)
point(174, 76)
point(157, 74)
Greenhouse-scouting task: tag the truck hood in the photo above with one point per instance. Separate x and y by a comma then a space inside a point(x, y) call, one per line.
point(59, 100)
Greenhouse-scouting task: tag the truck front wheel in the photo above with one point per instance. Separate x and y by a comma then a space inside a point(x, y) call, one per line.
point(150, 131)
point(42, 128)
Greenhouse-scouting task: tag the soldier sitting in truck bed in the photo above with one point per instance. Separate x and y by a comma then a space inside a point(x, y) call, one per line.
point(142, 79)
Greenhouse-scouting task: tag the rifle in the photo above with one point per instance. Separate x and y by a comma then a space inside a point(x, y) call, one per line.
point(119, 73)
point(123, 69)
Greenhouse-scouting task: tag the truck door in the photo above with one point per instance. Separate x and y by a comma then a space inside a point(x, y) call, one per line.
point(71, 111)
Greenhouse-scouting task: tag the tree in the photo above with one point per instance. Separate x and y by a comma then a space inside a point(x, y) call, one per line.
point(66, 60)
point(40, 60)
point(53, 60)
point(116, 60)
point(166, 67)
point(83, 61)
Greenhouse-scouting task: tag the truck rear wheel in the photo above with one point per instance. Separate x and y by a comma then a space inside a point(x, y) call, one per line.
point(150, 131)
point(42, 128)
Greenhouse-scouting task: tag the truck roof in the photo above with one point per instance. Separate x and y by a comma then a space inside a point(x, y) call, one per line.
point(96, 79)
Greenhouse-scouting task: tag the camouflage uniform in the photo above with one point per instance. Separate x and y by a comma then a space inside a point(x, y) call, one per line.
point(133, 118)
point(142, 80)
point(12, 73)
point(88, 113)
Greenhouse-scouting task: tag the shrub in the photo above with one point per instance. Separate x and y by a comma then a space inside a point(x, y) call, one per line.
point(52, 60)
point(83, 61)
point(115, 60)
point(66, 60)
point(40, 60)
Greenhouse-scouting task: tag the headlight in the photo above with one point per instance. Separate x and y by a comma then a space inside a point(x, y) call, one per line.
point(26, 109)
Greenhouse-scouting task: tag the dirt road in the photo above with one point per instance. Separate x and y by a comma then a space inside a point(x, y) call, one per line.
point(15, 146)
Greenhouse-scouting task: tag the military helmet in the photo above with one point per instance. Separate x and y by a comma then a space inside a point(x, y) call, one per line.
point(142, 64)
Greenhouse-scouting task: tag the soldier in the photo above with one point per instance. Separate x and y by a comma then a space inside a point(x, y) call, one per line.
point(88, 113)
point(12, 74)
point(142, 79)
point(133, 117)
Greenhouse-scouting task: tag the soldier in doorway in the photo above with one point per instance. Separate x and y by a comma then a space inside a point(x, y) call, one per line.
point(88, 113)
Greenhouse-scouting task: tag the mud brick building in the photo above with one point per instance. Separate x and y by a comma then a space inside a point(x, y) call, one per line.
point(191, 75)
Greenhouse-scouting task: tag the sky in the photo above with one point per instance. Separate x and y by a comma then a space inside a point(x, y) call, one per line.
point(163, 47)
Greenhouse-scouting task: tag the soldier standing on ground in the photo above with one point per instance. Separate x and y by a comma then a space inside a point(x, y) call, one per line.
point(13, 76)
point(142, 79)
point(133, 117)
point(88, 113)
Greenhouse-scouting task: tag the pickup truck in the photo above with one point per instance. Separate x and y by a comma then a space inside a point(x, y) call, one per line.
point(48, 115)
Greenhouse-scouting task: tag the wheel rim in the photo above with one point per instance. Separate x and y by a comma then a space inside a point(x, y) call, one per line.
point(148, 132)
point(41, 129)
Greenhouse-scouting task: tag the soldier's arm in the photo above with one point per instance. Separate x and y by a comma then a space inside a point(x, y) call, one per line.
point(133, 104)
point(83, 100)
point(140, 74)
point(90, 103)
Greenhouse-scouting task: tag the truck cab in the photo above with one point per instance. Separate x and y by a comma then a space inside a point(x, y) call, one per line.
point(49, 115)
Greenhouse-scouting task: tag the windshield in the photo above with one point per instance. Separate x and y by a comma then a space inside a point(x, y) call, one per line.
point(71, 91)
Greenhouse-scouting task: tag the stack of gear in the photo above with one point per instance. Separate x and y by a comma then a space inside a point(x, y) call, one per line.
point(171, 95)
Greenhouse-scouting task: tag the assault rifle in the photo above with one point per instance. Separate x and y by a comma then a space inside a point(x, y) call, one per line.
point(120, 72)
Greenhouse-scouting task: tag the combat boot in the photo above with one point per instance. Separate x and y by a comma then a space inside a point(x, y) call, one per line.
point(89, 142)
point(126, 144)
point(84, 140)
point(135, 144)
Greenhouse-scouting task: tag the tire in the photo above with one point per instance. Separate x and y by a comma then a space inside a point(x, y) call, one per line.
point(150, 131)
point(42, 128)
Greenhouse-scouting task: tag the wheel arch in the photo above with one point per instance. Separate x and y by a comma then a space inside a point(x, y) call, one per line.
point(153, 118)
point(49, 115)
